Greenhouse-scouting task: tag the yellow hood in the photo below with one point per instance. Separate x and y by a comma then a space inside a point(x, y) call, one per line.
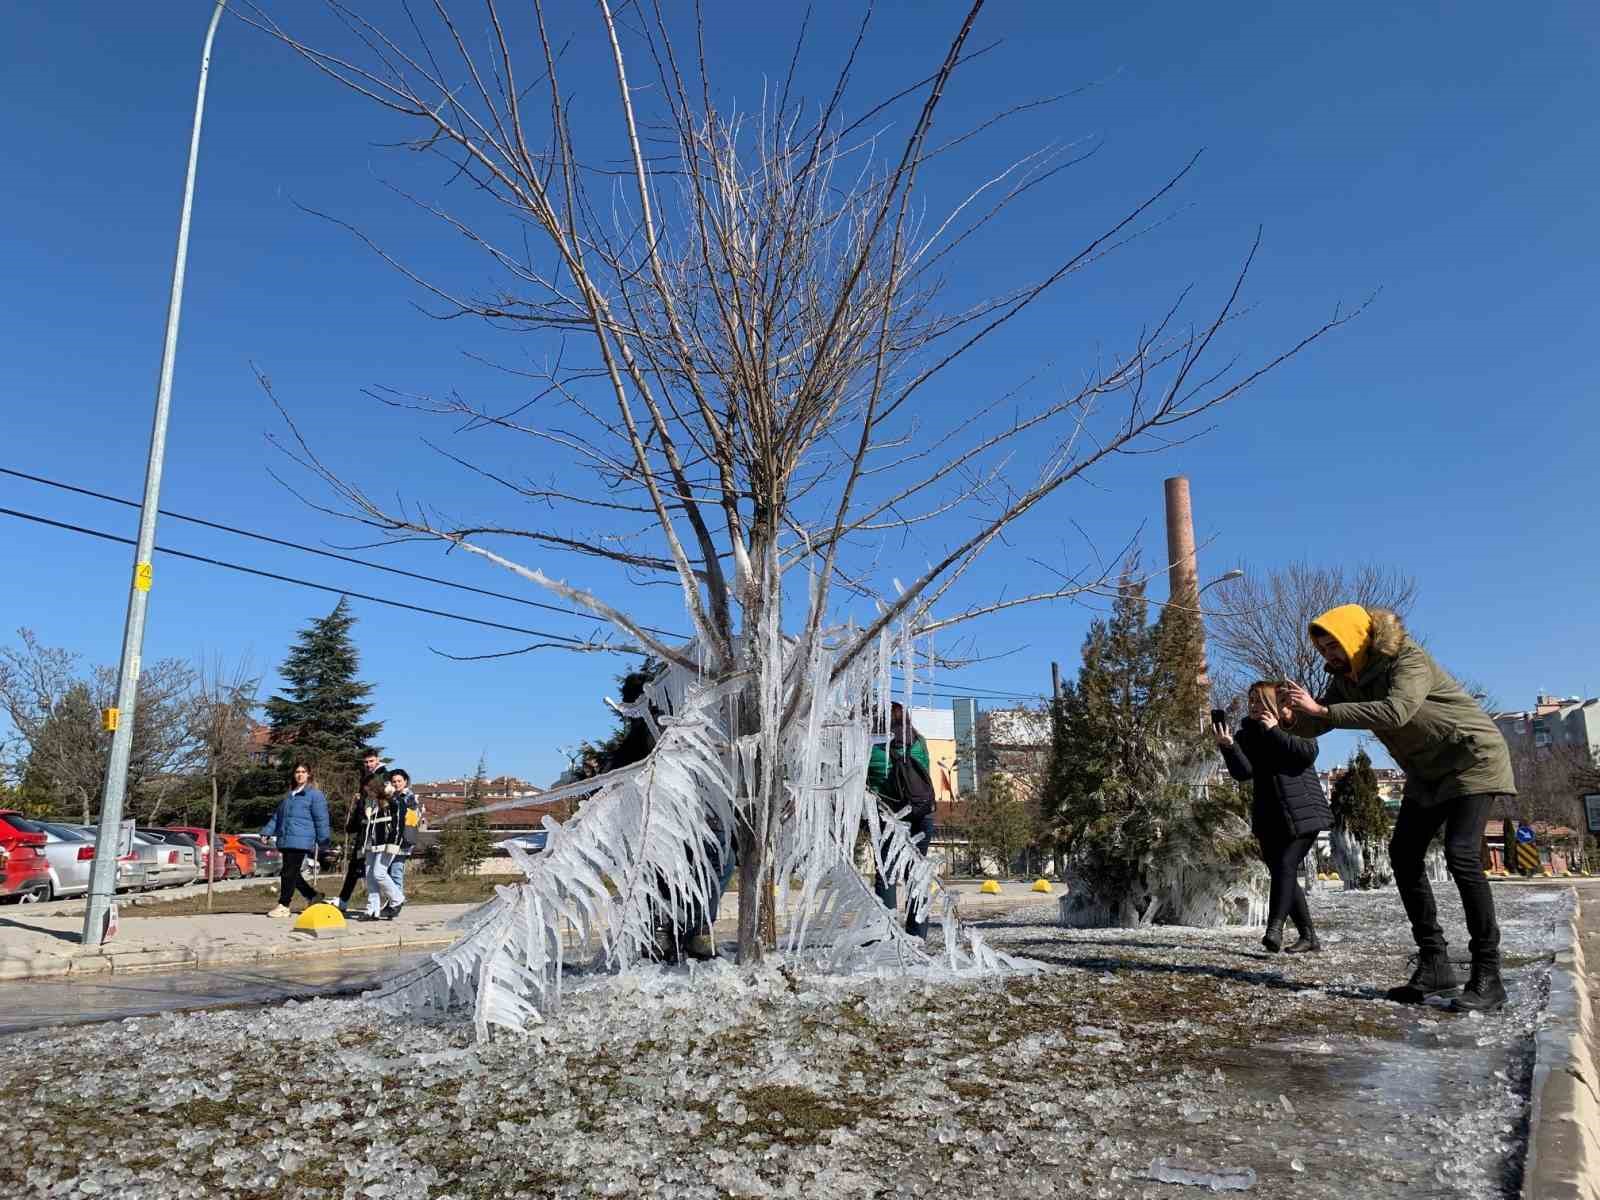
point(1351, 626)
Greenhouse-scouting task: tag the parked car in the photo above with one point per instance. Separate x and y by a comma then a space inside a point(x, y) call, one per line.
point(241, 851)
point(133, 873)
point(221, 865)
point(269, 859)
point(167, 864)
point(67, 853)
point(24, 872)
point(169, 842)
point(532, 843)
point(69, 857)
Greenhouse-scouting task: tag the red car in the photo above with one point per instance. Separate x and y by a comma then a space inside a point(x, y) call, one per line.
point(223, 864)
point(24, 872)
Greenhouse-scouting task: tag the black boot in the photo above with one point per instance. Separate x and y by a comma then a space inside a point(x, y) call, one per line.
point(1306, 943)
point(1433, 975)
point(1274, 938)
point(1485, 992)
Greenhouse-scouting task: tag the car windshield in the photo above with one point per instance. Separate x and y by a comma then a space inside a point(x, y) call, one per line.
point(177, 839)
point(24, 825)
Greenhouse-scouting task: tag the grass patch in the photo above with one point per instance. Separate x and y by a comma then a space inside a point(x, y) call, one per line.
point(420, 890)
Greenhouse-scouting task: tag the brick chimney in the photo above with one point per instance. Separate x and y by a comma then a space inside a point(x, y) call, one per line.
point(1183, 579)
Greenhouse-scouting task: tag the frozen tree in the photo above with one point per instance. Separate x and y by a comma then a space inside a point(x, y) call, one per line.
point(748, 331)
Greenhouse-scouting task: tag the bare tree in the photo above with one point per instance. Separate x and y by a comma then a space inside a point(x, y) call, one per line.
point(220, 723)
point(1260, 630)
point(56, 713)
point(748, 325)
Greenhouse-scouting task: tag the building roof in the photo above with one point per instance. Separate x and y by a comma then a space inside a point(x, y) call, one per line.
point(935, 724)
point(1017, 727)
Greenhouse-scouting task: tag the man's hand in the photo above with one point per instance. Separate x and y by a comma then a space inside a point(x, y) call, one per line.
point(1299, 700)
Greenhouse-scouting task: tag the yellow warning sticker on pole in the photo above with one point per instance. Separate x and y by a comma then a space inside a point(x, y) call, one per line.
point(141, 576)
point(109, 718)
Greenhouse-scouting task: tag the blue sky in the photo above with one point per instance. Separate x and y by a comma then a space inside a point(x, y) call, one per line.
point(1442, 154)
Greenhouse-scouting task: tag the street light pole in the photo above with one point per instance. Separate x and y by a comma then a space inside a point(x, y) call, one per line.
point(119, 720)
point(1225, 577)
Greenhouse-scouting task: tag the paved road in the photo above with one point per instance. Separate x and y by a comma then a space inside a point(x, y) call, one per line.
point(45, 1003)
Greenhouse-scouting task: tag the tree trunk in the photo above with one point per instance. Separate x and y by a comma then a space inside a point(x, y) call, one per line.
point(769, 911)
point(752, 868)
point(211, 851)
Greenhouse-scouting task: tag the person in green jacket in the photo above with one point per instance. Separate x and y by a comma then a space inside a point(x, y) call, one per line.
point(898, 772)
point(1456, 765)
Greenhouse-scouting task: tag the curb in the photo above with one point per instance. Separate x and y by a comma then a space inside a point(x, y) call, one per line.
point(1563, 1159)
point(115, 961)
point(123, 962)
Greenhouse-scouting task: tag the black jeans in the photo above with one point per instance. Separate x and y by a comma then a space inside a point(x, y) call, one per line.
point(355, 871)
point(922, 838)
point(1283, 855)
point(291, 881)
point(1462, 820)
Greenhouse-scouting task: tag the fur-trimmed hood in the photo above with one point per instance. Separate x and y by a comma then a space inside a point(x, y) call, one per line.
point(1388, 632)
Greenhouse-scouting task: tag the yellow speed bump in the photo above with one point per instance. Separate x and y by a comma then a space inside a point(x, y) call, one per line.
point(1042, 885)
point(320, 920)
point(990, 888)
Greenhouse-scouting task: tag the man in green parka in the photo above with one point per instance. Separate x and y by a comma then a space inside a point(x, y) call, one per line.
point(898, 772)
point(1456, 766)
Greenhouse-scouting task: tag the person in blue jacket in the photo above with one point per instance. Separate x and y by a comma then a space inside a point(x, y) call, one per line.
point(300, 825)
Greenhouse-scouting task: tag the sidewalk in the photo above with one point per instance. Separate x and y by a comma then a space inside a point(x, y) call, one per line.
point(39, 942)
point(32, 947)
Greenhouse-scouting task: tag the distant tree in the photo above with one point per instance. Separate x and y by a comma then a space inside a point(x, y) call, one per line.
point(1359, 815)
point(57, 742)
point(1001, 823)
point(1258, 626)
point(225, 698)
point(465, 843)
point(323, 715)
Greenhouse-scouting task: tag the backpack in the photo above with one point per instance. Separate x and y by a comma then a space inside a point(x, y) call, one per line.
point(913, 787)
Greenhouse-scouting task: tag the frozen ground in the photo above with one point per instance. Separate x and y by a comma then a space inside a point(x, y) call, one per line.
point(1185, 1045)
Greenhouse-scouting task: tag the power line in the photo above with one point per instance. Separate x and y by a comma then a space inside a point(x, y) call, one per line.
point(321, 587)
point(959, 690)
point(360, 562)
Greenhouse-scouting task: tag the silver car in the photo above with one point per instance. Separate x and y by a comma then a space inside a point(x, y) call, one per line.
point(69, 852)
point(178, 857)
point(165, 865)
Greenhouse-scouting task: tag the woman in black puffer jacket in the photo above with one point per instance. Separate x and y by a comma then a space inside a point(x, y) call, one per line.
point(1289, 810)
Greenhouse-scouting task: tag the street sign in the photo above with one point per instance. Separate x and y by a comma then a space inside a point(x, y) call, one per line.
point(125, 839)
point(1527, 858)
point(1524, 833)
point(1591, 808)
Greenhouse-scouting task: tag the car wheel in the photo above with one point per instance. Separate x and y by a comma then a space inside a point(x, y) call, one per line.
point(232, 871)
point(34, 895)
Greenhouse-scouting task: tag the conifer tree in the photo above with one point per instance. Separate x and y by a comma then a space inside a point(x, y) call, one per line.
point(1126, 745)
point(467, 842)
point(1358, 812)
point(323, 715)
